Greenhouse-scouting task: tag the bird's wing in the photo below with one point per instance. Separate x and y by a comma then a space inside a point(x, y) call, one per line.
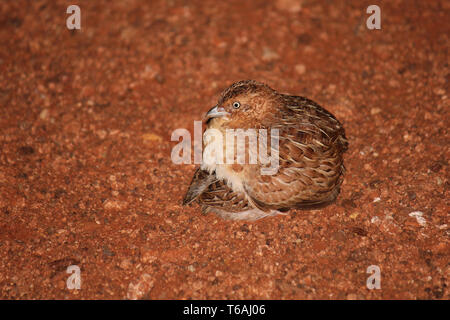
point(311, 119)
point(310, 170)
point(200, 182)
point(219, 195)
point(211, 192)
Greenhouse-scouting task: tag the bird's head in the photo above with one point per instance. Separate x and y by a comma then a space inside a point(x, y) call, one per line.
point(245, 104)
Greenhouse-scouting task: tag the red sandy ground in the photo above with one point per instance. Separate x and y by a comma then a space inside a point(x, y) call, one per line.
point(86, 176)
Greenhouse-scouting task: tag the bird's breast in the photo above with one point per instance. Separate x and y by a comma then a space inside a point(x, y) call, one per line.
point(220, 157)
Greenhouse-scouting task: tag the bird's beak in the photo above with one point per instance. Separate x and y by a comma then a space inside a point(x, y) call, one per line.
point(215, 112)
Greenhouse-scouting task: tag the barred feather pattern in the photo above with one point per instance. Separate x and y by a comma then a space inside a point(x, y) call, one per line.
point(311, 147)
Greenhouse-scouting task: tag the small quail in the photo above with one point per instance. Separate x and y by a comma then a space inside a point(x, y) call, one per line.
point(311, 147)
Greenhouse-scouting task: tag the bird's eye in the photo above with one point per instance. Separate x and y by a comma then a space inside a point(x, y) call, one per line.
point(236, 105)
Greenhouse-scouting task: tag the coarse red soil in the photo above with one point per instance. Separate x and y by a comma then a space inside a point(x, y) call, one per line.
point(86, 176)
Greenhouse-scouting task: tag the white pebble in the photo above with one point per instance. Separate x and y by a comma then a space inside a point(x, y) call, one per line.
point(419, 217)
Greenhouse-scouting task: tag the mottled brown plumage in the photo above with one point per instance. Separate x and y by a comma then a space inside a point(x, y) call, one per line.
point(311, 147)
